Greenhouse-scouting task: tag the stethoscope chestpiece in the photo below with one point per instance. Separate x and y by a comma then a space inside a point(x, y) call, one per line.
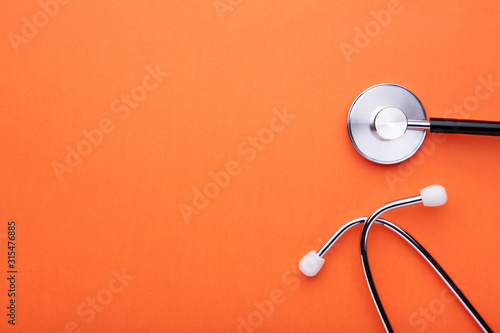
point(378, 123)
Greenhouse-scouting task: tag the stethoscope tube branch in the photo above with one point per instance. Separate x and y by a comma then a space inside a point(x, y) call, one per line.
point(441, 272)
point(423, 252)
point(364, 257)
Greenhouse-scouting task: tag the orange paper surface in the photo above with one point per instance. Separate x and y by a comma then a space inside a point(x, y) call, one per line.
point(168, 163)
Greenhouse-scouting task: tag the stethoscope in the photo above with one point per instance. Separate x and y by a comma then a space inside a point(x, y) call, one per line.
point(387, 124)
point(431, 196)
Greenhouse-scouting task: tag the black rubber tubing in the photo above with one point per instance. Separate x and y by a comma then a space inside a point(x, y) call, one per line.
point(459, 126)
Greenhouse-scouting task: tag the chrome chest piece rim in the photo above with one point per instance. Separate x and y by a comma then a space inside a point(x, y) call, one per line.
point(378, 123)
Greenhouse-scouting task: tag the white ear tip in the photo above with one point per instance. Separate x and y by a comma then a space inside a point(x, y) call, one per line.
point(311, 264)
point(433, 196)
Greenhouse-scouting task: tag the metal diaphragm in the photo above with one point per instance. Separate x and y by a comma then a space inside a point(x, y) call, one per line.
point(361, 123)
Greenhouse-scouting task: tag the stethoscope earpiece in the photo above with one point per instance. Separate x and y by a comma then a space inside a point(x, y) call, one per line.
point(387, 124)
point(311, 264)
point(433, 196)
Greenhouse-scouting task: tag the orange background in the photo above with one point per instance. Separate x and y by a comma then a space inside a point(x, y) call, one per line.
point(119, 208)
